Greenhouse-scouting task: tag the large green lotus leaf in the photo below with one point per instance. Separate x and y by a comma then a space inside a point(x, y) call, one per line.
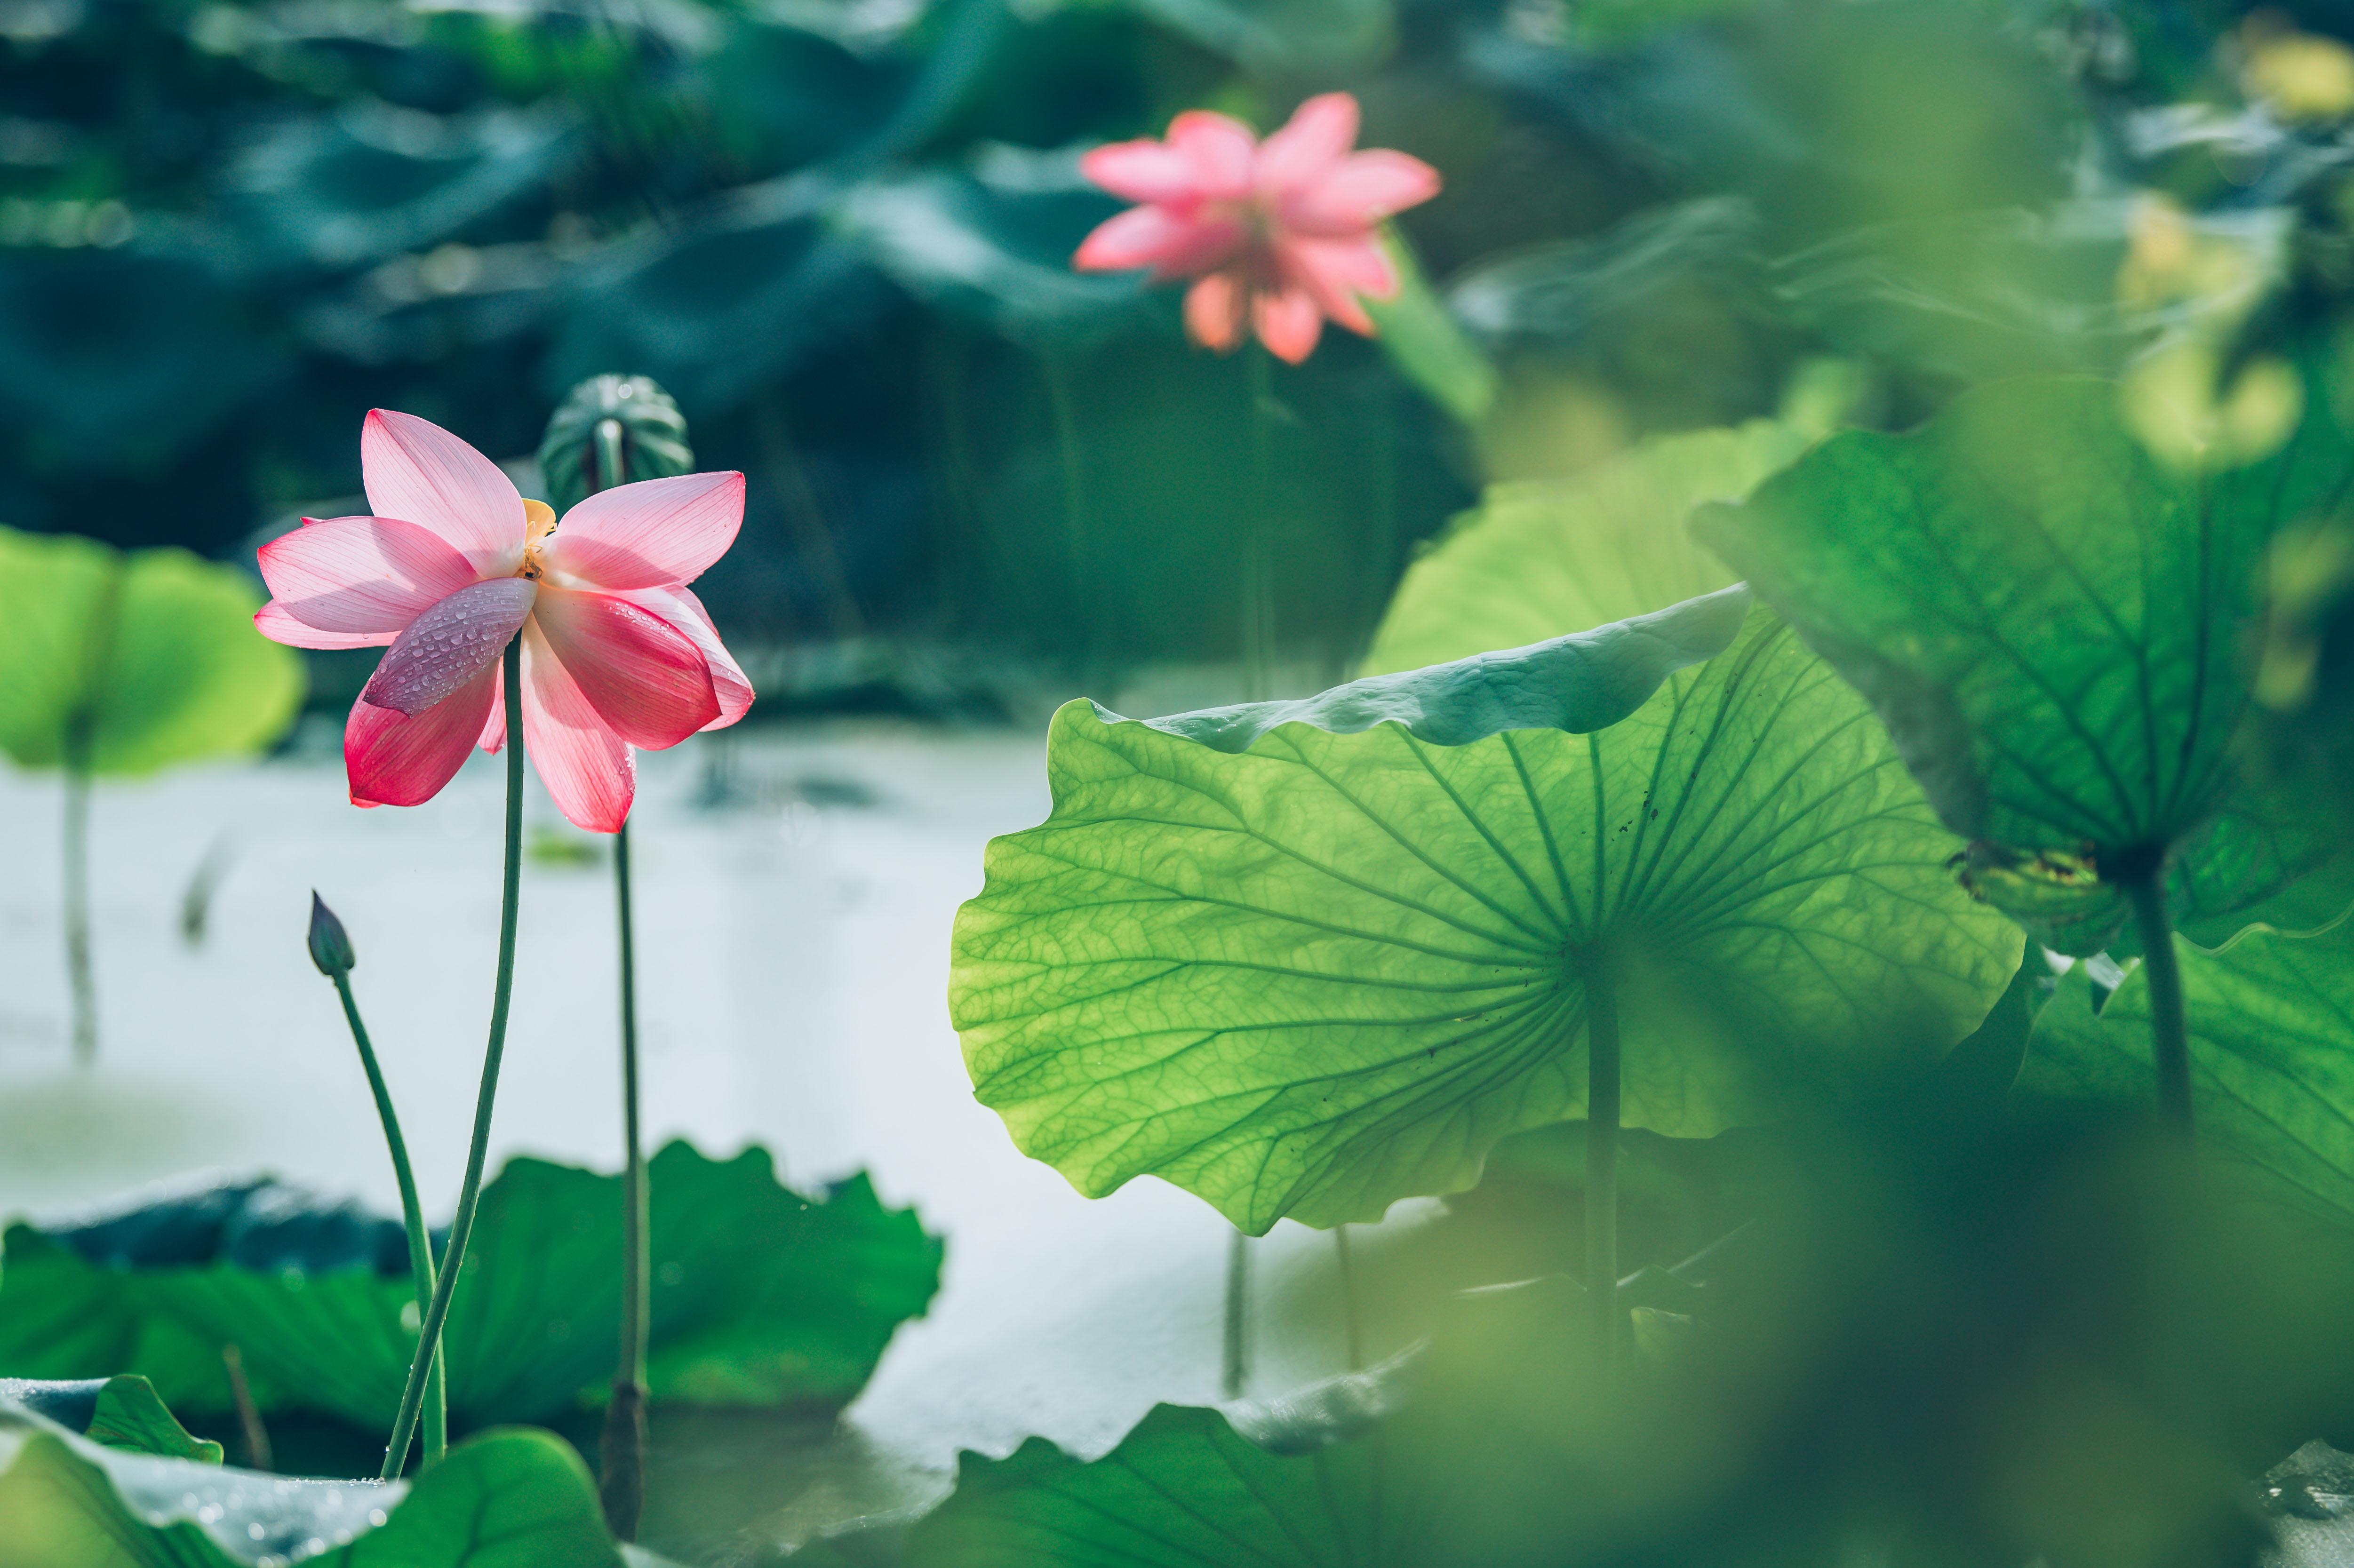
point(506, 1499)
point(2054, 625)
point(1324, 971)
point(2272, 1054)
point(121, 1412)
point(760, 1296)
point(159, 643)
point(1543, 557)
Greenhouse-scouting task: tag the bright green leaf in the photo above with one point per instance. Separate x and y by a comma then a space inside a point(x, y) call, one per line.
point(1330, 970)
point(1427, 346)
point(760, 1296)
point(2272, 1054)
point(2054, 625)
point(1543, 557)
point(507, 1499)
point(157, 651)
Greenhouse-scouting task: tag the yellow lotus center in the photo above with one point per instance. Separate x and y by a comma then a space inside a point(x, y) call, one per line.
point(539, 521)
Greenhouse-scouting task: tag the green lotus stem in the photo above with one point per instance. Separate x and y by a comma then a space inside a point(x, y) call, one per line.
point(1602, 1101)
point(1257, 575)
point(1236, 1369)
point(412, 1219)
point(621, 1485)
point(1075, 508)
point(1352, 1320)
point(78, 746)
point(81, 981)
point(461, 1227)
point(2169, 1023)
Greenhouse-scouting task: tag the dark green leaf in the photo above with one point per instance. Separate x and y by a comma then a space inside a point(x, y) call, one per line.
point(1542, 558)
point(2272, 1054)
point(653, 436)
point(760, 1296)
point(2054, 624)
point(154, 651)
point(118, 1411)
point(1330, 970)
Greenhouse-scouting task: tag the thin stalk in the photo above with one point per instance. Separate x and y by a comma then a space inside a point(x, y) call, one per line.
point(462, 1228)
point(79, 744)
point(1235, 1369)
point(2169, 1025)
point(1352, 1320)
point(81, 979)
point(258, 1456)
point(623, 1455)
point(1258, 571)
point(412, 1218)
point(1075, 509)
point(1602, 1099)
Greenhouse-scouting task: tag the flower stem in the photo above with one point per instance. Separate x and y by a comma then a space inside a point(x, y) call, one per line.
point(412, 1217)
point(622, 1485)
point(1258, 572)
point(461, 1227)
point(1352, 1320)
point(1234, 1369)
point(1084, 590)
point(1602, 1101)
point(80, 979)
point(2169, 1023)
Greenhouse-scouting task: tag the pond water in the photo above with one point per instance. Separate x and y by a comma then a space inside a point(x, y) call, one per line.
point(796, 888)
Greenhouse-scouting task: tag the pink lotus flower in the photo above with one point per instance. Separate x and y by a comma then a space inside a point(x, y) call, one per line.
point(1284, 233)
point(617, 653)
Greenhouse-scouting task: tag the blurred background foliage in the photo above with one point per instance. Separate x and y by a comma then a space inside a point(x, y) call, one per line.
point(838, 232)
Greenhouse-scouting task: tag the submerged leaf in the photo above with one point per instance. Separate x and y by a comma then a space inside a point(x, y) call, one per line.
point(153, 653)
point(2054, 626)
point(1331, 970)
point(1544, 557)
point(2272, 1054)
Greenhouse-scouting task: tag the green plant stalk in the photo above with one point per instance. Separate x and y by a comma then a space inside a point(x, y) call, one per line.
point(621, 1483)
point(1257, 573)
point(2169, 1023)
point(1352, 1320)
point(412, 1218)
point(1258, 682)
point(81, 981)
point(1602, 1100)
point(1074, 510)
point(80, 742)
point(461, 1227)
point(1234, 1368)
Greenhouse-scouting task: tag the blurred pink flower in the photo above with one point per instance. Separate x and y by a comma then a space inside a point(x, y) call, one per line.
point(1285, 232)
point(617, 653)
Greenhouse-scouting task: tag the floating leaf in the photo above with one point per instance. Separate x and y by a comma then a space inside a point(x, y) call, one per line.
point(156, 650)
point(507, 1499)
point(1183, 1488)
point(760, 1296)
point(1330, 970)
point(120, 1412)
point(2053, 624)
point(2272, 1054)
point(1546, 557)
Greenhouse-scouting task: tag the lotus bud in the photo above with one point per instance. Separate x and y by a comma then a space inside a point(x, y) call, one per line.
point(331, 949)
